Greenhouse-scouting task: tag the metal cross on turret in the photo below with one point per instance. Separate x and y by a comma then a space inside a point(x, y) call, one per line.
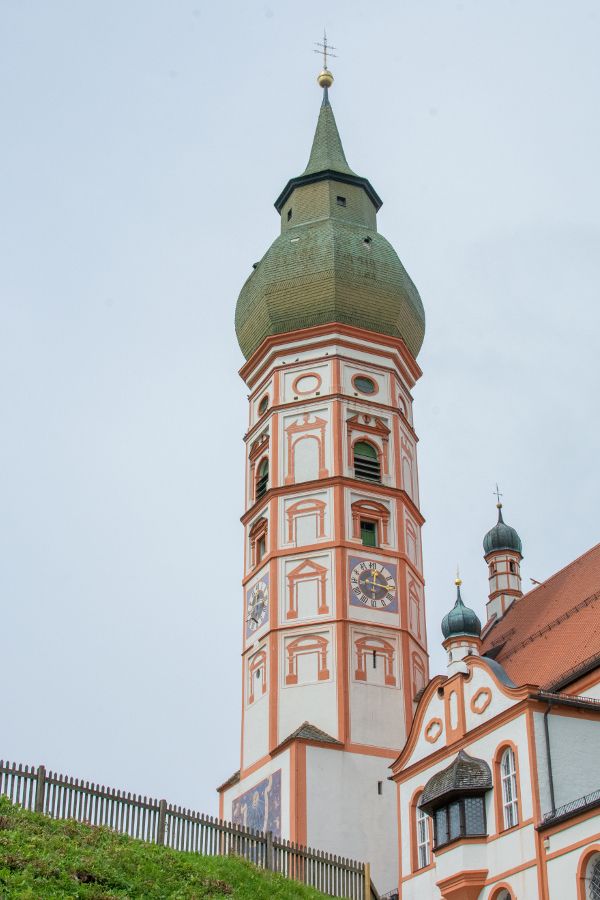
point(498, 494)
point(325, 49)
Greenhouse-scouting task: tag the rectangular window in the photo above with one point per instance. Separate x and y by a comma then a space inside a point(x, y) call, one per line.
point(341, 201)
point(380, 787)
point(368, 533)
point(423, 848)
point(289, 215)
point(261, 548)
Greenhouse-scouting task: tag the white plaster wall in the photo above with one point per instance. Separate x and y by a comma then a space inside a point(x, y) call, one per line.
point(256, 727)
point(351, 496)
point(524, 885)
point(562, 870)
point(266, 389)
point(315, 702)
point(321, 370)
point(484, 748)
point(376, 715)
point(305, 453)
point(347, 816)
point(381, 379)
point(482, 678)
point(310, 528)
point(422, 748)
point(587, 830)
point(575, 751)
point(281, 761)
point(307, 589)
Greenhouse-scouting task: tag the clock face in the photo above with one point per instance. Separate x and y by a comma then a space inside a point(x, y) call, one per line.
point(257, 606)
point(373, 585)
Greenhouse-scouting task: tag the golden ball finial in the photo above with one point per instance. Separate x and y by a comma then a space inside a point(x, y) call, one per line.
point(458, 581)
point(325, 78)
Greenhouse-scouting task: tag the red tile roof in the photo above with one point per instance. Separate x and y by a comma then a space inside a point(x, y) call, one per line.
point(554, 630)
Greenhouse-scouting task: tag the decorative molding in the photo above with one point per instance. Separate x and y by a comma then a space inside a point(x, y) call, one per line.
point(305, 507)
point(433, 730)
point(307, 644)
point(481, 700)
point(369, 645)
point(298, 431)
point(307, 570)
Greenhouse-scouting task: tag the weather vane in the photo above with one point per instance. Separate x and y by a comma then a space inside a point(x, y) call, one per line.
point(325, 49)
point(497, 493)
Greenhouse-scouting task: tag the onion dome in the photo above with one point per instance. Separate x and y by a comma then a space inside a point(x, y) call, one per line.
point(460, 620)
point(502, 537)
point(466, 775)
point(329, 264)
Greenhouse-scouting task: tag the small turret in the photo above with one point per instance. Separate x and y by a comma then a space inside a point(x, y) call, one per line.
point(462, 633)
point(503, 554)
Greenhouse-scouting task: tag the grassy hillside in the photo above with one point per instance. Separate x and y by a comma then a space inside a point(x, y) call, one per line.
point(41, 858)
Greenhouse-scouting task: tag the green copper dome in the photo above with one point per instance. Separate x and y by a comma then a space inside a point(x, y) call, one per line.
point(502, 537)
point(329, 264)
point(460, 620)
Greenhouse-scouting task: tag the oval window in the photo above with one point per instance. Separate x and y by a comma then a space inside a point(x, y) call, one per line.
point(364, 385)
point(306, 384)
point(263, 405)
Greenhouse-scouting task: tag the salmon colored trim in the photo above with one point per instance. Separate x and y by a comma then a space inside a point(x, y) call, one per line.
point(376, 487)
point(570, 822)
point(414, 843)
point(496, 890)
point(582, 868)
point(491, 725)
point(300, 377)
point(497, 777)
point(465, 885)
point(364, 394)
point(432, 739)
point(453, 688)
point(399, 820)
point(222, 805)
point(336, 380)
point(542, 870)
point(317, 331)
point(530, 864)
point(318, 547)
point(584, 842)
point(273, 691)
point(480, 701)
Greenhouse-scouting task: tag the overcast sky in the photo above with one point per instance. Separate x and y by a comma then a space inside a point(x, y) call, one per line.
point(143, 144)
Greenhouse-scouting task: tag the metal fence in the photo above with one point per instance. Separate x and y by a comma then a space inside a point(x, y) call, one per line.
point(163, 823)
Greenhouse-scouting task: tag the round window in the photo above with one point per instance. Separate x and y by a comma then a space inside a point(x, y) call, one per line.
point(263, 405)
point(364, 385)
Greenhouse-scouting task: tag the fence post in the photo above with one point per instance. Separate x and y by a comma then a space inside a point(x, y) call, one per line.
point(269, 851)
point(162, 822)
point(367, 881)
point(40, 789)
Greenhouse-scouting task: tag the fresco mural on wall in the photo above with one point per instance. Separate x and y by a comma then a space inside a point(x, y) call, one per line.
point(260, 807)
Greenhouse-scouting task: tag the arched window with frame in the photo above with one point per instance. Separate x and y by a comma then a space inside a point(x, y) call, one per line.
point(423, 837)
point(592, 878)
point(262, 478)
point(367, 464)
point(508, 781)
point(504, 893)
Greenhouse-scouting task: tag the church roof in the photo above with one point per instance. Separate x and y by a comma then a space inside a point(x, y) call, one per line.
point(551, 634)
point(327, 151)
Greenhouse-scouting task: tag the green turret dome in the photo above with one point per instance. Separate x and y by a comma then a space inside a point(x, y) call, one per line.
point(502, 537)
point(460, 620)
point(329, 264)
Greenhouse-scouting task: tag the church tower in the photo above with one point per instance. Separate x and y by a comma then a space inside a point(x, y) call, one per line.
point(334, 644)
point(503, 552)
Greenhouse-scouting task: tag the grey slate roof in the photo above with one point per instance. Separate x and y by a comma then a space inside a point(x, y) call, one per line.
point(502, 537)
point(466, 775)
point(309, 732)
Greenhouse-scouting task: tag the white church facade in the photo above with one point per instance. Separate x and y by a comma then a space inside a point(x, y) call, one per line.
point(455, 787)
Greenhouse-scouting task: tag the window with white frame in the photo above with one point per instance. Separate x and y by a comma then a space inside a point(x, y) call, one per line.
point(593, 878)
point(508, 775)
point(423, 840)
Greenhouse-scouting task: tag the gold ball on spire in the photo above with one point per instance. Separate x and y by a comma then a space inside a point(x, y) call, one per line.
point(458, 581)
point(325, 78)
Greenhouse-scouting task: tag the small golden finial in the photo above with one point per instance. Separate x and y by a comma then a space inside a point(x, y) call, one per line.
point(458, 579)
point(498, 495)
point(325, 77)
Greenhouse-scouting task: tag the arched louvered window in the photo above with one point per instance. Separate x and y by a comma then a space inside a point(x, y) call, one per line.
point(508, 775)
point(262, 479)
point(366, 462)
